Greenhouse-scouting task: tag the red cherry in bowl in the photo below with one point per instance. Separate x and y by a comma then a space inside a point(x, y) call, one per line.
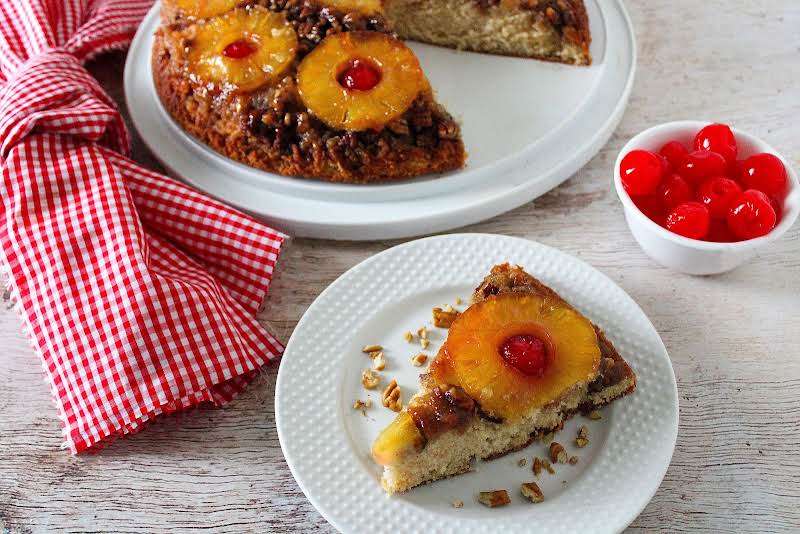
point(702, 164)
point(717, 194)
point(675, 154)
point(751, 215)
point(672, 192)
point(766, 173)
point(717, 138)
point(690, 219)
point(641, 172)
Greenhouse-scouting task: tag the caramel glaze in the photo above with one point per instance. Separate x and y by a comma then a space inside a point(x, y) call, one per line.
point(446, 407)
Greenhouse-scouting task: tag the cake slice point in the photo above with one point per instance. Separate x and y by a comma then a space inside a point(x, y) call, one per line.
point(516, 364)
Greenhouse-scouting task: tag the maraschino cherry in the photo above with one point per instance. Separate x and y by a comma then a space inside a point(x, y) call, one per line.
point(360, 76)
point(239, 49)
point(526, 353)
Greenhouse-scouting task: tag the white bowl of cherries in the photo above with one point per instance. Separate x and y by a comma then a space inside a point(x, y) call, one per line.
point(703, 198)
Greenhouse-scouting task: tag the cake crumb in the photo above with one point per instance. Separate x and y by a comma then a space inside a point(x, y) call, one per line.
point(522, 462)
point(583, 432)
point(594, 415)
point(419, 360)
point(408, 336)
point(371, 348)
point(424, 343)
point(581, 442)
point(458, 503)
point(494, 498)
point(558, 455)
point(573, 460)
point(531, 491)
point(423, 333)
point(369, 379)
point(448, 309)
point(459, 301)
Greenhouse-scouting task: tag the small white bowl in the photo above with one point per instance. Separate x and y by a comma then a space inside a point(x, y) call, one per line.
point(691, 256)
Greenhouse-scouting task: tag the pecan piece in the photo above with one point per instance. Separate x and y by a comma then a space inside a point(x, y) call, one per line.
point(391, 397)
point(531, 491)
point(495, 498)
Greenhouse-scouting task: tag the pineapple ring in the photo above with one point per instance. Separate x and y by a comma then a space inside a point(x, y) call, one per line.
point(471, 357)
point(203, 8)
point(273, 38)
point(400, 82)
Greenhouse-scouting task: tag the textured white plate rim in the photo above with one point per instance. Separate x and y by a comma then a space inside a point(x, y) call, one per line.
point(514, 183)
point(330, 514)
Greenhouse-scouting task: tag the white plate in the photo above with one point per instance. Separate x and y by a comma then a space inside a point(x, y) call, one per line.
point(327, 443)
point(527, 125)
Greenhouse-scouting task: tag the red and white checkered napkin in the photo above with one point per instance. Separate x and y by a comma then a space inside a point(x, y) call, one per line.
point(138, 294)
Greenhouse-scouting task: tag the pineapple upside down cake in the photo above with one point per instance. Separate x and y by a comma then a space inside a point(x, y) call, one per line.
point(515, 365)
point(326, 89)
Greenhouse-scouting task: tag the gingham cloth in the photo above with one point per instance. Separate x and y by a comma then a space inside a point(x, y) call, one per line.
point(139, 294)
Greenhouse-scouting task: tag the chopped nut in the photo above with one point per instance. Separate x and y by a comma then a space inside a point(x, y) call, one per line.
point(537, 466)
point(424, 343)
point(547, 438)
point(531, 491)
point(594, 415)
point(522, 462)
point(391, 397)
point(379, 362)
point(459, 302)
point(408, 336)
point(369, 379)
point(558, 455)
point(419, 360)
point(458, 503)
point(548, 467)
point(361, 405)
point(444, 319)
point(583, 437)
point(494, 498)
point(372, 348)
point(423, 333)
point(573, 460)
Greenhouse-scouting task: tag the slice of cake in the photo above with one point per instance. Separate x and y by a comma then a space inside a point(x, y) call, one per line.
point(516, 364)
point(554, 30)
point(307, 88)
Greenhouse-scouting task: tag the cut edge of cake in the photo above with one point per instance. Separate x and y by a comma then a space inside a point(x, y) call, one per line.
point(550, 30)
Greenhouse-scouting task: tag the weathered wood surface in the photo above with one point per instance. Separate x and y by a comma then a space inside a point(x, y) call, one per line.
point(734, 339)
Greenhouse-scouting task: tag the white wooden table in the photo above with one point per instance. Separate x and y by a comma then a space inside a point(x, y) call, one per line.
point(734, 339)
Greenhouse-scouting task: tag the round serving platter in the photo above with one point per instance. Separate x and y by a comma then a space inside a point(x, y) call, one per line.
point(327, 442)
point(527, 125)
